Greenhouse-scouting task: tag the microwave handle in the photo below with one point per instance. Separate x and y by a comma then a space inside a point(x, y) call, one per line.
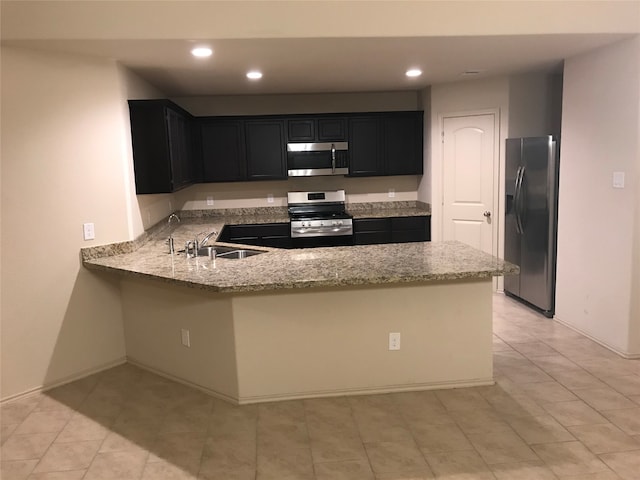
point(333, 157)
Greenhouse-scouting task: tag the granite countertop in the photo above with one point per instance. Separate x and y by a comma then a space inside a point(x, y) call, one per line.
point(277, 269)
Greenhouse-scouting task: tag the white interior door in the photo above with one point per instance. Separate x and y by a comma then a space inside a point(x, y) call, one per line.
point(470, 160)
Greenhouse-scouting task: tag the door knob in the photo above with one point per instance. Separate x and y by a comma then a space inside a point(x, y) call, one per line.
point(487, 214)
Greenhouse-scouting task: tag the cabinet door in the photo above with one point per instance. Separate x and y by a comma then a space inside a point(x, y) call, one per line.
point(365, 140)
point(332, 129)
point(301, 130)
point(179, 133)
point(161, 141)
point(223, 157)
point(265, 141)
point(368, 231)
point(403, 144)
point(410, 229)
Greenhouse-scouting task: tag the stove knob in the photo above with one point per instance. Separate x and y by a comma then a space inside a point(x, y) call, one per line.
point(340, 222)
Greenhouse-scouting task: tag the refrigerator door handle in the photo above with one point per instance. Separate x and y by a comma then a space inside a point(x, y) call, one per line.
point(520, 202)
point(516, 199)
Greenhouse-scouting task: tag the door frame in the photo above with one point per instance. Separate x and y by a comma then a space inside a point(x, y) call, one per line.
point(437, 182)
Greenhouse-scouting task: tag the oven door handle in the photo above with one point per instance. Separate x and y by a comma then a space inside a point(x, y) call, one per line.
point(345, 228)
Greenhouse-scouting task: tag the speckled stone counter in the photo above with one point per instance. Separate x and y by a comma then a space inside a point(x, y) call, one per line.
point(300, 268)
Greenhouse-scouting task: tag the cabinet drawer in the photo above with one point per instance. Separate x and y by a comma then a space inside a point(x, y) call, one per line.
point(371, 225)
point(408, 223)
point(371, 238)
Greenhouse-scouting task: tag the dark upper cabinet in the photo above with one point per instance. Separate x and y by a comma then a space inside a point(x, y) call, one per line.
point(301, 130)
point(365, 146)
point(317, 129)
point(265, 147)
point(162, 142)
point(172, 149)
point(403, 143)
point(223, 151)
point(385, 144)
point(239, 149)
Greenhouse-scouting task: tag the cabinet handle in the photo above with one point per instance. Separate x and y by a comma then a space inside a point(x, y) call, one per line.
point(487, 214)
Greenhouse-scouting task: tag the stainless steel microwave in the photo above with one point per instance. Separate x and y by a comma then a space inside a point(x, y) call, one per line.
point(317, 159)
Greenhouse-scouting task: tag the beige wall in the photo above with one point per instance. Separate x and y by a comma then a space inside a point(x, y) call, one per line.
point(535, 104)
point(597, 232)
point(62, 166)
point(143, 211)
point(257, 346)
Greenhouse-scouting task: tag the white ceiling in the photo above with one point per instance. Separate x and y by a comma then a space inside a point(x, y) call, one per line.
point(311, 65)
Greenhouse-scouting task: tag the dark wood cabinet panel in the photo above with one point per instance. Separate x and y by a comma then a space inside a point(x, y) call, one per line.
point(172, 149)
point(365, 147)
point(276, 235)
point(332, 129)
point(223, 156)
point(391, 230)
point(162, 143)
point(265, 147)
point(403, 143)
point(301, 130)
point(317, 129)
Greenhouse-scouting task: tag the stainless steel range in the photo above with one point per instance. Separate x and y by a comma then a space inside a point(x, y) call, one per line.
point(319, 219)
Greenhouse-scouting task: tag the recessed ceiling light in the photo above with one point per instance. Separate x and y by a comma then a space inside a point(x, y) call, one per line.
point(414, 72)
point(254, 75)
point(201, 52)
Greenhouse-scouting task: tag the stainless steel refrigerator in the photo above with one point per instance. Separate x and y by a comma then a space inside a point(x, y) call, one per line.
point(531, 220)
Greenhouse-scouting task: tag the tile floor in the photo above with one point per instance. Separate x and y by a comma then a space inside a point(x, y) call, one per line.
point(563, 408)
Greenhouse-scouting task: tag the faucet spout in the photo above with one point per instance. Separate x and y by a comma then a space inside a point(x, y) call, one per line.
point(207, 237)
point(173, 216)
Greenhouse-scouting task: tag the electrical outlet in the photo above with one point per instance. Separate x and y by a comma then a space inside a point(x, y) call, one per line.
point(270, 198)
point(89, 231)
point(394, 341)
point(392, 193)
point(618, 179)
point(186, 339)
point(209, 201)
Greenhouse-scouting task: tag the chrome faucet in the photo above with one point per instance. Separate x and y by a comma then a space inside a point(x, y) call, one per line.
point(206, 238)
point(173, 216)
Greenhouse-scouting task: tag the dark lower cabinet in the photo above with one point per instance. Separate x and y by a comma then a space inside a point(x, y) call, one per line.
point(277, 235)
point(369, 231)
point(163, 142)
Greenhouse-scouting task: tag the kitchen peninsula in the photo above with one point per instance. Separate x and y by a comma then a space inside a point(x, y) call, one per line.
point(306, 322)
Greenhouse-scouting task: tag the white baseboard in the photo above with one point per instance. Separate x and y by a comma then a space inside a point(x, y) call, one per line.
point(369, 391)
point(64, 380)
point(168, 376)
point(617, 351)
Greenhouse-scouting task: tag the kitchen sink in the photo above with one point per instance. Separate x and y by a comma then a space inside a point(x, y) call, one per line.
point(227, 252)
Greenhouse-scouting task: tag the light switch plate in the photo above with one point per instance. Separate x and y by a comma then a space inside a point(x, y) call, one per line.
point(618, 179)
point(88, 231)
